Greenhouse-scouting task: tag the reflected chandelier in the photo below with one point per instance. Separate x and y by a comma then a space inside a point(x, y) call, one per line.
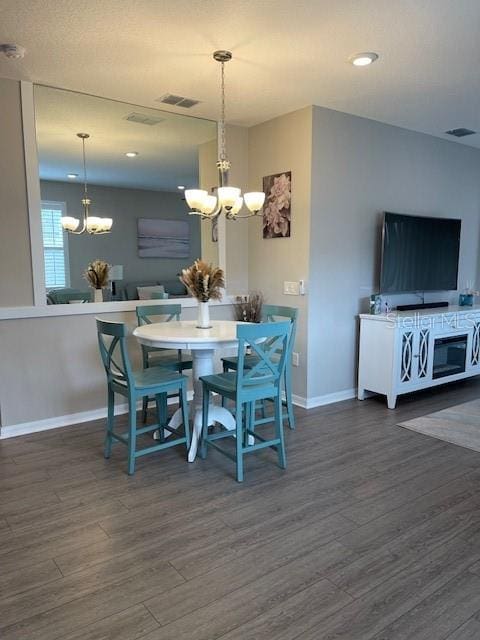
point(228, 199)
point(90, 224)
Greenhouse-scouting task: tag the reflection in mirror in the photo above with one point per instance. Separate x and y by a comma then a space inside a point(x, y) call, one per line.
point(136, 160)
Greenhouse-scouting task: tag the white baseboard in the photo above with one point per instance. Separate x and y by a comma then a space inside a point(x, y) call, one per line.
point(320, 401)
point(24, 428)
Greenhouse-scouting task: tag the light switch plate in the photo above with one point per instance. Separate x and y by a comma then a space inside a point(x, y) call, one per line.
point(291, 288)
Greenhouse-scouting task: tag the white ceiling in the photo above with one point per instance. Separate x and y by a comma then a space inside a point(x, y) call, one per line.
point(286, 55)
point(168, 151)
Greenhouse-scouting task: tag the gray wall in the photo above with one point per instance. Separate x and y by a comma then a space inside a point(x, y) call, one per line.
point(283, 144)
point(359, 169)
point(120, 246)
point(16, 285)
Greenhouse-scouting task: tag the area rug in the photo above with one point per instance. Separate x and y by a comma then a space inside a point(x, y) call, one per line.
point(459, 425)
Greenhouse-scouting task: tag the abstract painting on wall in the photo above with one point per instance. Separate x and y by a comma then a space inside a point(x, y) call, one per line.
point(276, 210)
point(159, 238)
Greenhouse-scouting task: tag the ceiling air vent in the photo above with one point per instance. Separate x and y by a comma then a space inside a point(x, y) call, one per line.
point(177, 101)
point(461, 132)
point(141, 118)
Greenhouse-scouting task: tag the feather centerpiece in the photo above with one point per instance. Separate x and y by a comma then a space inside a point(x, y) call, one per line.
point(97, 274)
point(204, 281)
point(249, 309)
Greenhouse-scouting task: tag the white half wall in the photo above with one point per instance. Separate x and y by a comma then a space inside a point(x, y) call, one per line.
point(51, 368)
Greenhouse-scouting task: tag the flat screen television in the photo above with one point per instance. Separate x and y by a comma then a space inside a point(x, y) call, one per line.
point(419, 253)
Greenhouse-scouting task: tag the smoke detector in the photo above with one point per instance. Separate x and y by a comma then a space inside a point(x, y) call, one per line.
point(12, 51)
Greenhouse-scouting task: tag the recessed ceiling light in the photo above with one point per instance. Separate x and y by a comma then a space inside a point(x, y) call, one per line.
point(363, 59)
point(72, 176)
point(181, 187)
point(13, 51)
point(131, 154)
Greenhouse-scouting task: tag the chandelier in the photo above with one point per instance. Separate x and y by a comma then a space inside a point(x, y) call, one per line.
point(90, 224)
point(228, 199)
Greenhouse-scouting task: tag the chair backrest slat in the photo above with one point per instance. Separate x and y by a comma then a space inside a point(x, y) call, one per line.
point(168, 312)
point(269, 343)
point(275, 313)
point(113, 350)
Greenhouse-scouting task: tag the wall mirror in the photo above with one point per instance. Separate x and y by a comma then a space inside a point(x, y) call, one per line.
point(136, 160)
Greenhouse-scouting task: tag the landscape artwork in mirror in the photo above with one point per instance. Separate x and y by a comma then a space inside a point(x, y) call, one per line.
point(159, 238)
point(277, 208)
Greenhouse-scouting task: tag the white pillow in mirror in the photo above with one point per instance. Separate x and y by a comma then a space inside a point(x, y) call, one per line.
point(145, 293)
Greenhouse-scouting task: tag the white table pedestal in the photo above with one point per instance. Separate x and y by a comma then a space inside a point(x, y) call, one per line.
point(202, 366)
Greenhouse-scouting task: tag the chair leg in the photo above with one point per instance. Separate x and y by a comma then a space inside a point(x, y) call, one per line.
point(132, 435)
point(186, 424)
point(288, 396)
point(144, 409)
point(263, 407)
point(225, 370)
point(250, 422)
point(239, 441)
point(282, 458)
point(110, 417)
point(161, 402)
point(204, 435)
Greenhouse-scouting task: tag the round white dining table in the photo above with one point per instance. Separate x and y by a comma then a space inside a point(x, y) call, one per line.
point(202, 343)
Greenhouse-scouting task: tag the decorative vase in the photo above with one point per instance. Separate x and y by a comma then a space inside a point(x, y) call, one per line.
point(203, 320)
point(98, 295)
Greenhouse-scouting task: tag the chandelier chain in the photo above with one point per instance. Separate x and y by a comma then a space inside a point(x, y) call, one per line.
point(85, 188)
point(223, 154)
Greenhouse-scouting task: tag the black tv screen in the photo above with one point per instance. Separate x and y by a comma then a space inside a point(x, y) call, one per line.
point(419, 253)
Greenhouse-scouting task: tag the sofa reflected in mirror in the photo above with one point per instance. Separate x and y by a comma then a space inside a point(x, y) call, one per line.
point(151, 290)
point(67, 295)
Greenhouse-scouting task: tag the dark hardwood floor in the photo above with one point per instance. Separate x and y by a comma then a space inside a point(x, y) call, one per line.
point(373, 532)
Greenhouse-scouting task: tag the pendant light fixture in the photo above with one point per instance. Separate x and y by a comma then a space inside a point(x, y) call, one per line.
point(228, 199)
point(90, 224)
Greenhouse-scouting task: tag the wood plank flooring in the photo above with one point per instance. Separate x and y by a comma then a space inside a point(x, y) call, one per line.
point(373, 533)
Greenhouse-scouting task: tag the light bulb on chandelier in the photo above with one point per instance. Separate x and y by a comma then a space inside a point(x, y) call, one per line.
point(228, 199)
point(90, 224)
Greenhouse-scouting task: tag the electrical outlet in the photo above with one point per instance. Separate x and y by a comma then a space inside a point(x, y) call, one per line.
point(295, 359)
point(291, 288)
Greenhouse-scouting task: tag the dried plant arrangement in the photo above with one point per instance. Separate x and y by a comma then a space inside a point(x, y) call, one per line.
point(250, 309)
point(97, 274)
point(204, 281)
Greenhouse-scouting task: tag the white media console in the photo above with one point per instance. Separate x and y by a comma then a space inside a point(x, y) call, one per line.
point(405, 351)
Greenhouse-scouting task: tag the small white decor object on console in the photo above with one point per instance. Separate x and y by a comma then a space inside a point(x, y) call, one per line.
point(406, 351)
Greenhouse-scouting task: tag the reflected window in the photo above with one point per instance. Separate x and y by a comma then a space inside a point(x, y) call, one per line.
point(54, 245)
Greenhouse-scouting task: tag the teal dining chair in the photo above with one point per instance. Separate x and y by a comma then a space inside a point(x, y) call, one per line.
point(246, 386)
point(154, 381)
point(273, 313)
point(155, 356)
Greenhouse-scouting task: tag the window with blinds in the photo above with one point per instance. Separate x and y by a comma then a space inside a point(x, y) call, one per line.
point(54, 245)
